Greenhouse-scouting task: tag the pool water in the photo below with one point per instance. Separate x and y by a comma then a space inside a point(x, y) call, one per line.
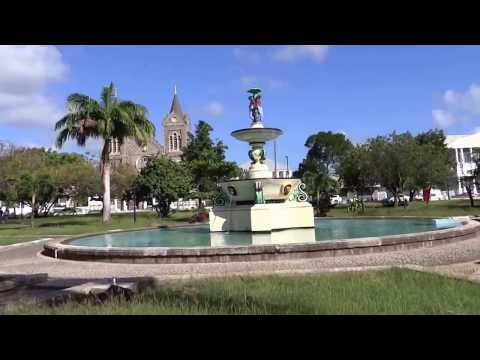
point(325, 229)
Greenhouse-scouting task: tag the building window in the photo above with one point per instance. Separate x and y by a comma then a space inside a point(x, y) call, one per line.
point(174, 141)
point(114, 146)
point(281, 174)
point(467, 156)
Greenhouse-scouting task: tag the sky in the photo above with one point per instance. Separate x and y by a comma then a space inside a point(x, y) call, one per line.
point(361, 91)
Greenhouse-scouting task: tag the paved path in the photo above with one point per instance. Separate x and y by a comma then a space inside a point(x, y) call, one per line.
point(25, 259)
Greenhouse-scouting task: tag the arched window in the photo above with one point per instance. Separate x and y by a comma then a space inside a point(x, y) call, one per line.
point(170, 143)
point(114, 146)
point(175, 141)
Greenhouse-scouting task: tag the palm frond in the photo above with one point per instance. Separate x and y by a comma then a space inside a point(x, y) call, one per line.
point(108, 95)
point(67, 121)
point(62, 138)
point(76, 102)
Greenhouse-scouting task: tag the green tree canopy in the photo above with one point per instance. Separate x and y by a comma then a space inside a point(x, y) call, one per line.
point(328, 148)
point(355, 171)
point(206, 161)
point(163, 180)
point(123, 182)
point(325, 153)
point(391, 158)
point(39, 178)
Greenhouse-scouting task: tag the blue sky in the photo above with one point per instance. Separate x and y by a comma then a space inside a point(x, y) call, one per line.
point(362, 91)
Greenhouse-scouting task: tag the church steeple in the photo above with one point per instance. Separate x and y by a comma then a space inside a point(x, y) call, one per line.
point(176, 108)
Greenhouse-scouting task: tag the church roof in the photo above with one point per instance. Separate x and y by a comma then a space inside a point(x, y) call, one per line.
point(176, 108)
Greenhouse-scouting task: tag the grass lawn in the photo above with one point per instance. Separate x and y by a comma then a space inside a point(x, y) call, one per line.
point(415, 208)
point(396, 291)
point(15, 231)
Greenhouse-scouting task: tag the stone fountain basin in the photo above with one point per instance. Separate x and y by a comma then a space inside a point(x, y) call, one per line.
point(273, 189)
point(259, 135)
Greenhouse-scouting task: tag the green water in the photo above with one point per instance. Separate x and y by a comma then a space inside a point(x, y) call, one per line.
point(325, 229)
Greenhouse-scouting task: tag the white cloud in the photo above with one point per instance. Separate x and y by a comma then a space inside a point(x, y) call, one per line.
point(248, 81)
point(29, 68)
point(215, 108)
point(276, 84)
point(443, 119)
point(245, 53)
point(292, 53)
point(25, 72)
point(468, 100)
point(29, 109)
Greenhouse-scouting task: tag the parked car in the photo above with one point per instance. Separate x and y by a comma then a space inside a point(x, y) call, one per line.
point(436, 194)
point(402, 200)
point(335, 199)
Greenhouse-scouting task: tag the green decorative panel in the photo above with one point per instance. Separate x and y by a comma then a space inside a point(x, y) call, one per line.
point(298, 193)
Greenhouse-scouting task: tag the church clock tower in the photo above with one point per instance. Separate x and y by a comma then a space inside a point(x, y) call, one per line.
point(176, 127)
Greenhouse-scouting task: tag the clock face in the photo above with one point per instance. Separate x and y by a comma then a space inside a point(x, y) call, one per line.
point(174, 119)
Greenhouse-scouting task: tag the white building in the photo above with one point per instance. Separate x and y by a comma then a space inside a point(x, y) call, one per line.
point(464, 147)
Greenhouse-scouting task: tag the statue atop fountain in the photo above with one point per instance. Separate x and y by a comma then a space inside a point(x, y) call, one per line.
point(260, 202)
point(256, 109)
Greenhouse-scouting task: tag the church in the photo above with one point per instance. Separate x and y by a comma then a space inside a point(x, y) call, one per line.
point(176, 126)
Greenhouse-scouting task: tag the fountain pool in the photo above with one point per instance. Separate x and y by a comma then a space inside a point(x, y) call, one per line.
point(197, 244)
point(325, 229)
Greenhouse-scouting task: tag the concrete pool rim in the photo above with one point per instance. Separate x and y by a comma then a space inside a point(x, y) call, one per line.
point(60, 249)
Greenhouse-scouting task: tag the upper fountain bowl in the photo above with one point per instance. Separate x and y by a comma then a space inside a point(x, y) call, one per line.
point(257, 135)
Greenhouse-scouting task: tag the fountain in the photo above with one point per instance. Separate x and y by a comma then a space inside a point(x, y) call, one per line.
point(260, 203)
point(246, 216)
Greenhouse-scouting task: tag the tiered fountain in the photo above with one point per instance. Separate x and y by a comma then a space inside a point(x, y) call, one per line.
point(260, 203)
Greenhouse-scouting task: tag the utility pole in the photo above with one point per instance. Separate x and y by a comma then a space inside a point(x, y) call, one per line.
point(287, 165)
point(275, 156)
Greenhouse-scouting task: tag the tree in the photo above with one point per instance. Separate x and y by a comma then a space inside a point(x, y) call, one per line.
point(432, 162)
point(123, 182)
point(319, 184)
point(77, 180)
point(355, 170)
point(39, 177)
point(206, 162)
point(165, 180)
point(36, 190)
point(328, 148)
point(325, 153)
point(107, 119)
point(25, 176)
point(391, 159)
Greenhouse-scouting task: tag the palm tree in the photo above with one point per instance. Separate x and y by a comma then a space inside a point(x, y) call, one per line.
point(108, 119)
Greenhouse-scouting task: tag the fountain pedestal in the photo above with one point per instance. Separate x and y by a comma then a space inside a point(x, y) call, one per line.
point(262, 217)
point(260, 203)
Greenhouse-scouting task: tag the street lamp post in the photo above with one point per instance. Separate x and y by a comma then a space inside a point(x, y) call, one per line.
point(286, 156)
point(275, 157)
